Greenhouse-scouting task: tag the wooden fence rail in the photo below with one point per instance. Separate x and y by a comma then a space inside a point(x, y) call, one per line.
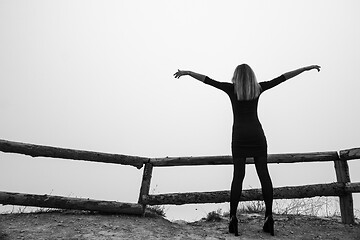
point(64, 153)
point(47, 201)
point(306, 191)
point(343, 188)
point(226, 160)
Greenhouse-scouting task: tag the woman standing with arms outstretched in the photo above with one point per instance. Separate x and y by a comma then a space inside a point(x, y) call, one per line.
point(248, 138)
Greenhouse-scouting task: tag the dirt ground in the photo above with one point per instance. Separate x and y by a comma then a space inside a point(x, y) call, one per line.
point(81, 225)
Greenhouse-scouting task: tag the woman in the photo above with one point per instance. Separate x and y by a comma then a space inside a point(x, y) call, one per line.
point(248, 138)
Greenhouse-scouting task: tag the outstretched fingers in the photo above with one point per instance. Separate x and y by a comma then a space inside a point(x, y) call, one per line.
point(317, 67)
point(179, 73)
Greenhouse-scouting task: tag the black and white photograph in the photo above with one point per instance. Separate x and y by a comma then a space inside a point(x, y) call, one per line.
point(179, 119)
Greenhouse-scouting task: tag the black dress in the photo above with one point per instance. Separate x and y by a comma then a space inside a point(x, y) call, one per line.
point(248, 138)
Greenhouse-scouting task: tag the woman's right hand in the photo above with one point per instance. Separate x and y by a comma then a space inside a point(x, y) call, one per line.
point(180, 73)
point(313, 67)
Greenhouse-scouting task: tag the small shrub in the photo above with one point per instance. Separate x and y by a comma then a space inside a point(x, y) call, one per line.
point(253, 207)
point(248, 207)
point(157, 210)
point(214, 216)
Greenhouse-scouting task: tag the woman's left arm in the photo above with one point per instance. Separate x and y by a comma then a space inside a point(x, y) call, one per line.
point(296, 72)
point(195, 75)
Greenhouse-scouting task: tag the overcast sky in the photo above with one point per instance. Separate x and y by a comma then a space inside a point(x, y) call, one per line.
point(98, 75)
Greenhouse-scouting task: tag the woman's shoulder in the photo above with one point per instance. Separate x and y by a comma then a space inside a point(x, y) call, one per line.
point(265, 85)
point(209, 80)
point(225, 86)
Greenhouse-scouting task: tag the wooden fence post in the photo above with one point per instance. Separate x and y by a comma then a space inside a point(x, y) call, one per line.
point(145, 184)
point(346, 199)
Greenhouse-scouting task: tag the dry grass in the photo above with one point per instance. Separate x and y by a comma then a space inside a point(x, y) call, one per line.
point(318, 206)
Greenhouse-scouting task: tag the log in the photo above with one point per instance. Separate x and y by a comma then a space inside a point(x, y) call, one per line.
point(350, 154)
point(346, 199)
point(303, 157)
point(352, 187)
point(224, 160)
point(54, 152)
point(145, 184)
point(47, 201)
point(190, 161)
point(306, 191)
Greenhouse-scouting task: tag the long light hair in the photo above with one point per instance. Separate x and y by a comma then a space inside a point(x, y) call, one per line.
point(246, 86)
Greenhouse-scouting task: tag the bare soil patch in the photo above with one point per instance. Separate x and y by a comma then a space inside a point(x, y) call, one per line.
point(82, 225)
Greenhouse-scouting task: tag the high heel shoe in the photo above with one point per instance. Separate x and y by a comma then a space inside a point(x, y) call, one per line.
point(269, 225)
point(233, 226)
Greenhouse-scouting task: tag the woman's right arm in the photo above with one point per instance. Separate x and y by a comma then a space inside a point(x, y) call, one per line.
point(226, 87)
point(197, 76)
point(296, 72)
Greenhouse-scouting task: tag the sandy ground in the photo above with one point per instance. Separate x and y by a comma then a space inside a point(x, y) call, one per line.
point(81, 225)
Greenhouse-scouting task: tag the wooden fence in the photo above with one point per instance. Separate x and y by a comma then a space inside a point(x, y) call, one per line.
point(343, 188)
